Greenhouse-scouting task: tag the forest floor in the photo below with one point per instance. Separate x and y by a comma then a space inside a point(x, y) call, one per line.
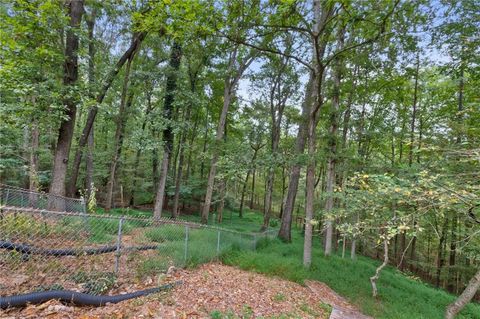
point(211, 290)
point(401, 295)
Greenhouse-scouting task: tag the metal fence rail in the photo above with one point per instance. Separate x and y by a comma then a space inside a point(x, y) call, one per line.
point(19, 197)
point(41, 249)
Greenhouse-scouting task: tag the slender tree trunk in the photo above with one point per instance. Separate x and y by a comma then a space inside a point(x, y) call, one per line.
point(89, 181)
point(67, 125)
point(332, 156)
point(285, 232)
point(473, 286)
point(373, 279)
point(219, 137)
point(92, 113)
point(414, 114)
point(231, 81)
point(175, 59)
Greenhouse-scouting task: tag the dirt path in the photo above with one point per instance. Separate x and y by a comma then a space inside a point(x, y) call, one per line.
point(341, 308)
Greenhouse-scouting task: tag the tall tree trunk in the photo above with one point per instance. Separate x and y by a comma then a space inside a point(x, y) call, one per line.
point(120, 124)
point(227, 96)
point(322, 15)
point(332, 145)
point(473, 286)
point(414, 114)
point(92, 113)
point(285, 232)
point(175, 59)
point(231, 81)
point(67, 125)
point(91, 82)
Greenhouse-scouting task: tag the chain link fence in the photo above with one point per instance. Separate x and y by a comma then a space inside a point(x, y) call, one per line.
point(18, 197)
point(42, 249)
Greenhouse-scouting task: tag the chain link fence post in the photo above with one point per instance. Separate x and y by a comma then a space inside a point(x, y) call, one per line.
point(119, 244)
point(186, 244)
point(85, 218)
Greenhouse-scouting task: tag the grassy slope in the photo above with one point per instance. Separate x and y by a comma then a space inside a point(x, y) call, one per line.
point(400, 297)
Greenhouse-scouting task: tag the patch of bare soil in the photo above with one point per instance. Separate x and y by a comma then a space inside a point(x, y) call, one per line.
point(207, 289)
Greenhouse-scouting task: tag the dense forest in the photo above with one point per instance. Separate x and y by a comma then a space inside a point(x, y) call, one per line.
point(359, 120)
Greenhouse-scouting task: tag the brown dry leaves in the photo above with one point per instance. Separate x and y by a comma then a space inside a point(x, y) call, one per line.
point(208, 288)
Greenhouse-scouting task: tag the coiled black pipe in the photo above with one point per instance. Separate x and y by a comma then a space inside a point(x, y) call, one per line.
point(27, 249)
point(74, 297)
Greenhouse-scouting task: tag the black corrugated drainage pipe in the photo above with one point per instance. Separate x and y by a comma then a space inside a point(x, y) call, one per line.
point(74, 297)
point(27, 249)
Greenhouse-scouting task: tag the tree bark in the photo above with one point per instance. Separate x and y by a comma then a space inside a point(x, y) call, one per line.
point(473, 286)
point(321, 17)
point(230, 85)
point(67, 125)
point(175, 59)
point(285, 232)
point(414, 114)
point(373, 279)
point(332, 145)
point(89, 181)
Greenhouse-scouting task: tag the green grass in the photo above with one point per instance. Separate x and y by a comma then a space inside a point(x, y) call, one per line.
point(399, 296)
